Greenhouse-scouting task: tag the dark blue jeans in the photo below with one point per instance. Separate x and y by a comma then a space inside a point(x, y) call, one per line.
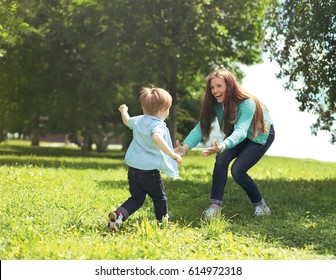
point(247, 154)
point(141, 183)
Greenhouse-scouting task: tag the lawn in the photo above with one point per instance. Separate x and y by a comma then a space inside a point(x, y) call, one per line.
point(55, 201)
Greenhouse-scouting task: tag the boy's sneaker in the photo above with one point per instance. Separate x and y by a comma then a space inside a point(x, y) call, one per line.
point(115, 219)
point(261, 210)
point(211, 212)
point(164, 223)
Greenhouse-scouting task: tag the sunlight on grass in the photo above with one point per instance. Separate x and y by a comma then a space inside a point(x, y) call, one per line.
point(54, 205)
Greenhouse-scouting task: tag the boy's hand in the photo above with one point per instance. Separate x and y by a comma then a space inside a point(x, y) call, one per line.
point(124, 113)
point(177, 158)
point(123, 108)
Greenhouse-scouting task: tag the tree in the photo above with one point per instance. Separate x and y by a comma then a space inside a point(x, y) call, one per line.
point(302, 40)
point(91, 55)
point(173, 43)
point(11, 24)
point(62, 72)
point(24, 87)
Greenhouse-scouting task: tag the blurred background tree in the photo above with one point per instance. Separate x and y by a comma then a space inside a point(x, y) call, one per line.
point(302, 40)
point(79, 59)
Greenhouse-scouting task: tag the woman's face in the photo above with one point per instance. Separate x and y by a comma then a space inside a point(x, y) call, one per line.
point(218, 88)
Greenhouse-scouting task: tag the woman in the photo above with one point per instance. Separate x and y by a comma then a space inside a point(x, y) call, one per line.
point(248, 133)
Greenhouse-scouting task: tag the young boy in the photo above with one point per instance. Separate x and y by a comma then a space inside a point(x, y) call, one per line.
point(150, 151)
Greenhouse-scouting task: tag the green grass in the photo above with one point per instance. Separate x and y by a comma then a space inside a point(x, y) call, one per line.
point(54, 205)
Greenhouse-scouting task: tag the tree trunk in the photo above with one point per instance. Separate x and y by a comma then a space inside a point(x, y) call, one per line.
point(35, 139)
point(87, 144)
point(172, 89)
point(101, 143)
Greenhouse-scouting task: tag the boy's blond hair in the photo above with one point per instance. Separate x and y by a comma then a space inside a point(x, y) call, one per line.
point(154, 99)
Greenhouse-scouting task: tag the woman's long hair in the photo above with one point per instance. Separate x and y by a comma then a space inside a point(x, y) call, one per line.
point(234, 95)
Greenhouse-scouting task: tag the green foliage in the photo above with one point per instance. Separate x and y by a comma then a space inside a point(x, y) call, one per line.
point(81, 59)
point(302, 40)
point(10, 23)
point(54, 205)
point(178, 41)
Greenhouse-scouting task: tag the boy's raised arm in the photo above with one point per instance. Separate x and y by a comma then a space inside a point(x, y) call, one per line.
point(124, 113)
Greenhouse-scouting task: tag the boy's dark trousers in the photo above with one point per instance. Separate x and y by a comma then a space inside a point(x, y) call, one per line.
point(141, 183)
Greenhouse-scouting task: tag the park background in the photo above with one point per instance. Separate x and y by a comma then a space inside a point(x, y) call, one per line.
point(55, 200)
point(66, 66)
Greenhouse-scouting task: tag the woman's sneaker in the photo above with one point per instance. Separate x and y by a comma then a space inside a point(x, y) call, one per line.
point(211, 212)
point(262, 210)
point(115, 219)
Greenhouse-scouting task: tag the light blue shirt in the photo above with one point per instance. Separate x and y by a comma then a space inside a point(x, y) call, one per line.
point(243, 126)
point(143, 152)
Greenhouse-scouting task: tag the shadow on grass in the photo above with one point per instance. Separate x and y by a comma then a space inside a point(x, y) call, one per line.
point(57, 152)
point(52, 163)
point(303, 213)
point(60, 157)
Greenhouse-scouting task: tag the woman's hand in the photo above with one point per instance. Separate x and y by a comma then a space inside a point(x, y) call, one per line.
point(215, 148)
point(181, 150)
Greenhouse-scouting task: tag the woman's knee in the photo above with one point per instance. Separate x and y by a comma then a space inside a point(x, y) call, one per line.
point(237, 173)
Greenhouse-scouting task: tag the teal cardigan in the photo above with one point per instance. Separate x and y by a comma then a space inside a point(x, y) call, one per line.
point(243, 126)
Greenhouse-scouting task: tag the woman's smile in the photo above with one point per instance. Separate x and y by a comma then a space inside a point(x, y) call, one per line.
point(218, 89)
